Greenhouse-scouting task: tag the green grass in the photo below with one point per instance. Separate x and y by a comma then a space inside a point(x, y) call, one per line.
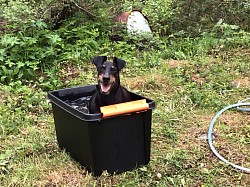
point(188, 94)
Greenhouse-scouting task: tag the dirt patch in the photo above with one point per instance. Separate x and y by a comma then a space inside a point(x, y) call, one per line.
point(3, 95)
point(193, 139)
point(149, 82)
point(242, 52)
point(72, 175)
point(229, 135)
point(69, 175)
point(197, 79)
point(227, 123)
point(69, 71)
point(243, 82)
point(234, 119)
point(176, 63)
point(195, 133)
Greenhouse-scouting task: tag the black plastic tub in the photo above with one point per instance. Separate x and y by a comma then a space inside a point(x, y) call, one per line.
point(115, 144)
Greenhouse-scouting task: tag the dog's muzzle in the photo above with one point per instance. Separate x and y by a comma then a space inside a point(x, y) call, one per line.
point(105, 87)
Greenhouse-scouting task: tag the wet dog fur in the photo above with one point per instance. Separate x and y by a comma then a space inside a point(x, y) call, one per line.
point(108, 91)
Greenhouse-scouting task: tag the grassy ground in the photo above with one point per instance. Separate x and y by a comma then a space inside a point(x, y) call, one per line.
point(188, 94)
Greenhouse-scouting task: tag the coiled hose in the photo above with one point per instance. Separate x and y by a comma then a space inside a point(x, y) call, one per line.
point(210, 130)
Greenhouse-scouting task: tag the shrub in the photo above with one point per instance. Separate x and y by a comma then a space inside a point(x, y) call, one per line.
point(195, 17)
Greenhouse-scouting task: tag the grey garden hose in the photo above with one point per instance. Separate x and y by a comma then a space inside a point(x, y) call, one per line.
point(210, 130)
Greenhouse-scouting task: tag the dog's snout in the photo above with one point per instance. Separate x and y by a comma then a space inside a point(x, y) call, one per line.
point(106, 77)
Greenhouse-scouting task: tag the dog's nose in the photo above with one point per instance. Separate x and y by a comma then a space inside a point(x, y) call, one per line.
point(106, 79)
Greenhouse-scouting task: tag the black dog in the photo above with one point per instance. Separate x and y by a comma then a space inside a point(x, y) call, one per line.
point(109, 91)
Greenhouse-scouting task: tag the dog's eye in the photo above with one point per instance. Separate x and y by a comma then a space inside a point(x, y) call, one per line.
point(113, 68)
point(101, 67)
point(100, 70)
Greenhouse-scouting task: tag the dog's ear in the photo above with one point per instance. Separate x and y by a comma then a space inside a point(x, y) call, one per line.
point(98, 60)
point(119, 63)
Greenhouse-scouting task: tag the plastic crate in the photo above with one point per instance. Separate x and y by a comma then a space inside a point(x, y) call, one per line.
point(114, 144)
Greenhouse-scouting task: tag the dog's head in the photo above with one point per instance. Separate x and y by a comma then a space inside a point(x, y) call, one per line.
point(108, 73)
